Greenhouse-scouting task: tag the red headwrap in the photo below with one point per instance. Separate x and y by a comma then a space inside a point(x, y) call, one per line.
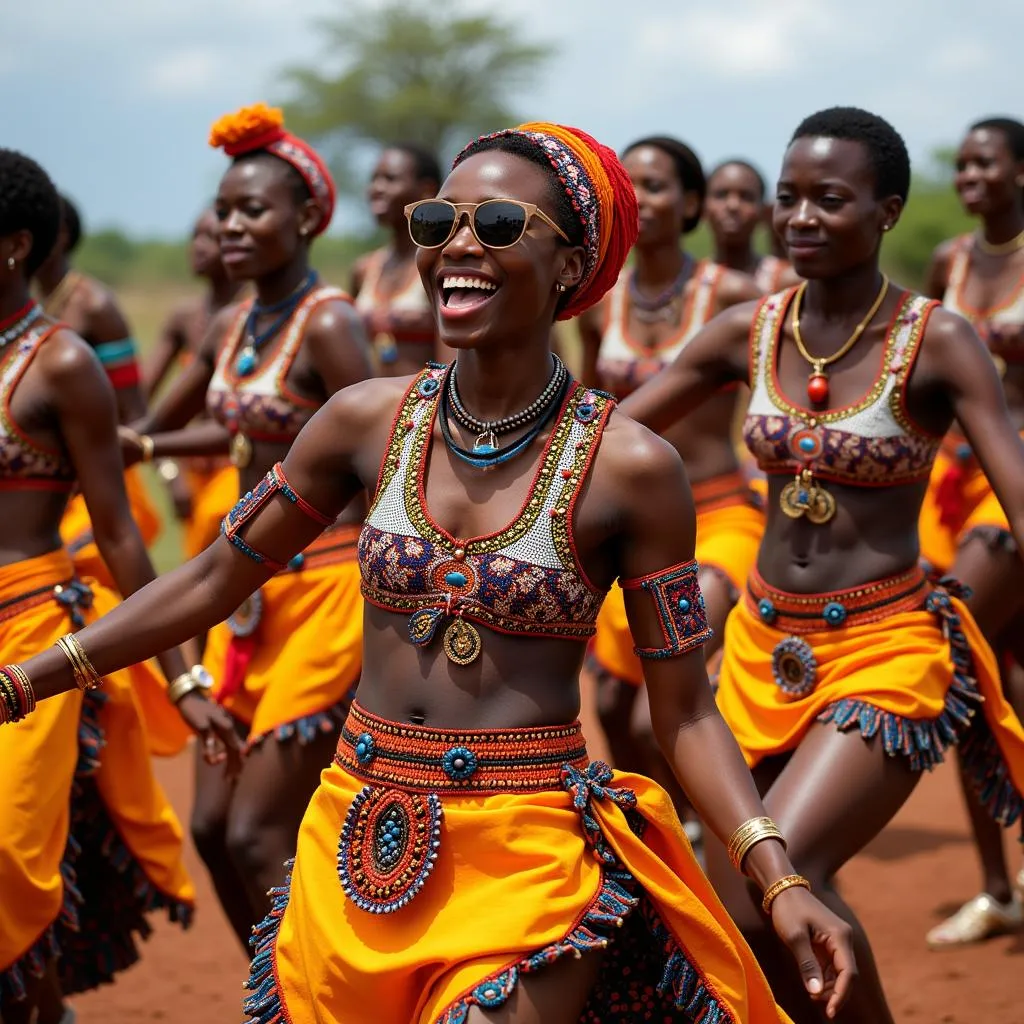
point(602, 195)
point(260, 127)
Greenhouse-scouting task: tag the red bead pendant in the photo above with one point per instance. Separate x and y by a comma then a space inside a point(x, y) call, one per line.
point(817, 388)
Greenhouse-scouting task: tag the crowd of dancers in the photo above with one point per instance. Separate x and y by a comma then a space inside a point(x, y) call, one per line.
point(410, 527)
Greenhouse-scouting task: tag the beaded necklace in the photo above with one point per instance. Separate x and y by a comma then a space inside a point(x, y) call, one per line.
point(18, 323)
point(247, 360)
point(488, 431)
point(661, 307)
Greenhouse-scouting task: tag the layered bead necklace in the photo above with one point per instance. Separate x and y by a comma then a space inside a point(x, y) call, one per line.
point(248, 358)
point(662, 306)
point(18, 323)
point(485, 453)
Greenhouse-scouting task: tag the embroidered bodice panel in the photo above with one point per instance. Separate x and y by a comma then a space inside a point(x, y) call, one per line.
point(525, 578)
point(871, 442)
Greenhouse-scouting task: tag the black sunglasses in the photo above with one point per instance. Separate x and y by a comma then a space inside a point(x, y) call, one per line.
point(496, 223)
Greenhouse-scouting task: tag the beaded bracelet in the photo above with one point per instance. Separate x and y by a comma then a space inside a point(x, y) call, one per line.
point(18, 697)
point(86, 676)
point(748, 835)
point(776, 889)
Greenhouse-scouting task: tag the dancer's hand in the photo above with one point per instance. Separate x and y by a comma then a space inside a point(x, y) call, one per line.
point(216, 731)
point(822, 944)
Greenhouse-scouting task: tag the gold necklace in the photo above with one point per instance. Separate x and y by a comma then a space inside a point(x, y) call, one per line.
point(1015, 244)
point(817, 380)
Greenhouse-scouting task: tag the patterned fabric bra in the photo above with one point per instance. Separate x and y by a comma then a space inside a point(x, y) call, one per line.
point(25, 463)
point(872, 442)
point(523, 579)
point(623, 363)
point(1001, 326)
point(261, 405)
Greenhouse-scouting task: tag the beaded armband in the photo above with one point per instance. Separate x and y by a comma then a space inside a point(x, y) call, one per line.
point(680, 607)
point(251, 504)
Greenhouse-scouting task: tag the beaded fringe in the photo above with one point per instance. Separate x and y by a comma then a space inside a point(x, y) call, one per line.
point(924, 742)
point(598, 927)
point(106, 892)
point(308, 727)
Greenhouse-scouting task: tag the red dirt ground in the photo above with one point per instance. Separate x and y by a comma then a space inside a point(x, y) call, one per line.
point(903, 883)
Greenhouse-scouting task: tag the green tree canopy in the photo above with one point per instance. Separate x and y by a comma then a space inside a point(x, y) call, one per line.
point(400, 71)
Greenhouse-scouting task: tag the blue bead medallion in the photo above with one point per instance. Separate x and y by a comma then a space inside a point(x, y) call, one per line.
point(834, 613)
point(794, 667)
point(365, 749)
point(767, 611)
point(459, 763)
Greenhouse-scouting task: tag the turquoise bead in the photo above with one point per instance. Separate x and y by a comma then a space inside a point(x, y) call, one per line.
point(807, 444)
point(684, 604)
point(456, 579)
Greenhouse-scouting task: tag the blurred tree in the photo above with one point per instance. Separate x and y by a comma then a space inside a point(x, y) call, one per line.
point(404, 71)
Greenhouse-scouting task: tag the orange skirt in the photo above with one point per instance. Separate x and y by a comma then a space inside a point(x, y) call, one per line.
point(214, 494)
point(90, 843)
point(959, 504)
point(288, 660)
point(401, 906)
point(730, 524)
point(76, 528)
point(899, 659)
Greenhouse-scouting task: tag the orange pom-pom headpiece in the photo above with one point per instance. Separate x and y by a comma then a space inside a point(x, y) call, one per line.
point(260, 127)
point(602, 195)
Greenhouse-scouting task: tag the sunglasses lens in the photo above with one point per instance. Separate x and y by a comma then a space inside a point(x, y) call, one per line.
point(499, 223)
point(430, 224)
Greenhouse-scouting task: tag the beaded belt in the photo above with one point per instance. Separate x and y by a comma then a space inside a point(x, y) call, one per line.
point(482, 761)
point(857, 606)
point(392, 832)
point(72, 594)
point(725, 491)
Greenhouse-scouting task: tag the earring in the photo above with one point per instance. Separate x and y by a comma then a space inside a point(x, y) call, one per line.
point(303, 232)
point(11, 262)
point(559, 287)
point(886, 227)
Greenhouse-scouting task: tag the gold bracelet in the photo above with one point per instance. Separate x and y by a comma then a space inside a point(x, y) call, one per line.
point(181, 686)
point(86, 676)
point(748, 835)
point(777, 888)
point(148, 446)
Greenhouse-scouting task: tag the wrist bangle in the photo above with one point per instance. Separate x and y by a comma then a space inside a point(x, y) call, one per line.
point(86, 676)
point(148, 446)
point(777, 888)
point(196, 678)
point(748, 835)
point(17, 698)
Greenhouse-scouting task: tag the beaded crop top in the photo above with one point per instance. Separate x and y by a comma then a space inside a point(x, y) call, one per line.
point(261, 405)
point(623, 364)
point(25, 463)
point(523, 579)
point(411, 299)
point(1001, 326)
point(871, 442)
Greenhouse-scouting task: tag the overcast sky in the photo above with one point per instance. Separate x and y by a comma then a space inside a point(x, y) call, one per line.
point(114, 97)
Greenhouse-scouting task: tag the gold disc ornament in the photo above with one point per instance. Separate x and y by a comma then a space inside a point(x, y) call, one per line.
point(803, 497)
point(241, 451)
point(462, 642)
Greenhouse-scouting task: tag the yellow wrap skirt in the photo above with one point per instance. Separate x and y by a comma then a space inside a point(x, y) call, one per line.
point(288, 660)
point(730, 524)
point(214, 493)
point(435, 869)
point(89, 842)
point(959, 504)
point(899, 659)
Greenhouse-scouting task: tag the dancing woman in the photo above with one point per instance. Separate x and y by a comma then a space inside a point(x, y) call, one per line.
point(649, 316)
point(202, 489)
point(90, 844)
point(463, 860)
point(964, 530)
point(735, 209)
point(288, 656)
point(386, 287)
point(845, 672)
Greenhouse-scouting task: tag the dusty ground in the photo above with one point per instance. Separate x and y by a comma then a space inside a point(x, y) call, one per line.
point(909, 877)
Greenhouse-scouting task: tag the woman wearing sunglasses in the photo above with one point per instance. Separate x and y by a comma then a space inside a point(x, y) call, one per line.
point(846, 672)
point(463, 860)
point(288, 656)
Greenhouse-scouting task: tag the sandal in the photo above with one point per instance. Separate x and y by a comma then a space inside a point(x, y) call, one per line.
point(978, 919)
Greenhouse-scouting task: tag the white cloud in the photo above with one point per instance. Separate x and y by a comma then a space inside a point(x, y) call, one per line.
point(185, 72)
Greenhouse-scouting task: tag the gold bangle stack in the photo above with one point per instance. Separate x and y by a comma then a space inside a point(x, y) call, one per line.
point(777, 888)
point(197, 678)
point(86, 676)
point(748, 835)
point(26, 683)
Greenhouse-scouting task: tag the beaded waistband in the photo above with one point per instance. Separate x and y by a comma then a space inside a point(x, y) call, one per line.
point(857, 606)
point(480, 761)
point(725, 491)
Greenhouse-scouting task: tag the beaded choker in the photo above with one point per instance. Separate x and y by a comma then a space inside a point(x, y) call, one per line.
point(26, 317)
point(488, 431)
point(247, 359)
point(660, 307)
